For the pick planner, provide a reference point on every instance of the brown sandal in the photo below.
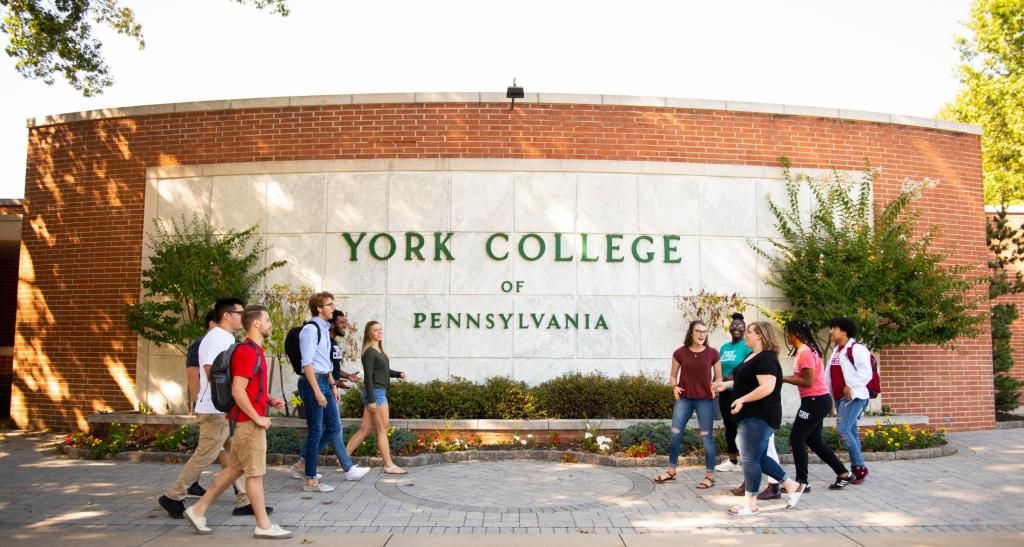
(659, 480)
(708, 482)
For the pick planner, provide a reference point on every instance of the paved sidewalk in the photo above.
(45, 499)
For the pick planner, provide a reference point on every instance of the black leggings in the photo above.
(725, 400)
(807, 433)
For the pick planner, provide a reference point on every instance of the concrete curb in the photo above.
(1015, 424)
(433, 458)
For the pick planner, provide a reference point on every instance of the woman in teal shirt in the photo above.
(732, 354)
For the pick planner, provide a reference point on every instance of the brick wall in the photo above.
(86, 183)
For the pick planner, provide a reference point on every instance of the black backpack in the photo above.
(220, 381)
(291, 345)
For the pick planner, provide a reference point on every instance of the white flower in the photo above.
(603, 440)
(523, 442)
(530, 436)
(588, 435)
(515, 437)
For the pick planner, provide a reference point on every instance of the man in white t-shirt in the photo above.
(214, 433)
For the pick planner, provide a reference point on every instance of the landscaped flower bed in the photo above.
(644, 441)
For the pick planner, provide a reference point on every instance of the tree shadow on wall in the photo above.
(81, 242)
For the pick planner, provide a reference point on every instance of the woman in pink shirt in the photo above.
(815, 404)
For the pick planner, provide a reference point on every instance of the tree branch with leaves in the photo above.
(54, 38)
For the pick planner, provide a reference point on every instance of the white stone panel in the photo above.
(606, 203)
(419, 202)
(421, 370)
(402, 338)
(609, 278)
(296, 204)
(472, 271)
(182, 198)
(669, 204)
(305, 256)
(621, 339)
(361, 309)
(165, 383)
(727, 207)
(545, 202)
(764, 290)
(662, 327)
(612, 368)
(482, 202)
(775, 190)
(366, 275)
(536, 371)
(543, 342)
(479, 370)
(357, 202)
(417, 276)
(657, 369)
(728, 265)
(238, 202)
(490, 339)
(545, 276)
(660, 279)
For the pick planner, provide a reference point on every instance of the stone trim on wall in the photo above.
(489, 97)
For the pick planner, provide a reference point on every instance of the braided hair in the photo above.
(799, 329)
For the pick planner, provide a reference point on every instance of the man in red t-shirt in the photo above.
(248, 454)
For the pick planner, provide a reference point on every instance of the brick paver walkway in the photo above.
(976, 490)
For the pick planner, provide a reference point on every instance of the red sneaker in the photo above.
(859, 474)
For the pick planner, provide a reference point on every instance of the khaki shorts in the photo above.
(249, 449)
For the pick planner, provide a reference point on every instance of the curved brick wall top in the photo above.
(85, 189)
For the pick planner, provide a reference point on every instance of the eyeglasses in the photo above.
(700, 332)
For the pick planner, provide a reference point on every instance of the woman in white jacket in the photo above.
(848, 375)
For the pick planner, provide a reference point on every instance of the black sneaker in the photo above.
(195, 491)
(247, 510)
(841, 482)
(174, 508)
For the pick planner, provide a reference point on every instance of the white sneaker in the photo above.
(355, 473)
(296, 474)
(318, 487)
(727, 465)
(199, 523)
(274, 532)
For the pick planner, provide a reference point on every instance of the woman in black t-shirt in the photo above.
(757, 385)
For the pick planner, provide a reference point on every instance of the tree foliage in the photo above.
(288, 308)
(191, 267)
(54, 38)
(1007, 246)
(992, 75)
(843, 262)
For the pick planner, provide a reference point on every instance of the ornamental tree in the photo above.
(192, 266)
(843, 262)
(1007, 246)
(55, 38)
(992, 75)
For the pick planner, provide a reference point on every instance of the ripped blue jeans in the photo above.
(684, 409)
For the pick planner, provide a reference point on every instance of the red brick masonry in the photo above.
(85, 188)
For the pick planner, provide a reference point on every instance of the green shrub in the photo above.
(182, 438)
(576, 396)
(284, 440)
(351, 404)
(640, 397)
(507, 399)
(655, 433)
(401, 442)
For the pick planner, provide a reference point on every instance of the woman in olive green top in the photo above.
(377, 376)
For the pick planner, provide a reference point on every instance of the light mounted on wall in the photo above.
(514, 92)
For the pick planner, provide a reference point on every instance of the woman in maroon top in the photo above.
(694, 367)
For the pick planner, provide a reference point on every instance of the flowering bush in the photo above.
(890, 437)
(640, 450)
(593, 441)
(185, 437)
(119, 438)
(554, 440)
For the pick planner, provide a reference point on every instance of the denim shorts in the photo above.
(379, 394)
